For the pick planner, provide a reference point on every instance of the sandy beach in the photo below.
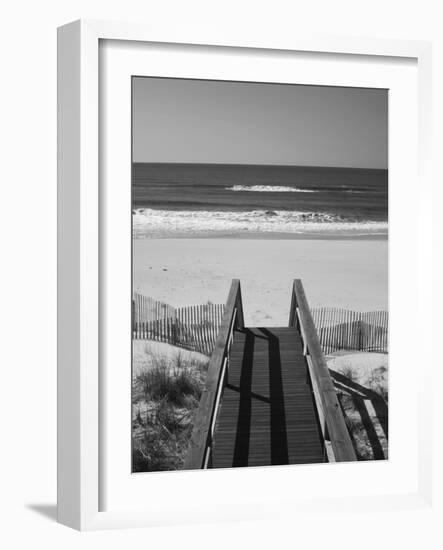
(350, 273)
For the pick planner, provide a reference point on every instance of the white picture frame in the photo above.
(80, 411)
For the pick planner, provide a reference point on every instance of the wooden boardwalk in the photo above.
(267, 414)
(268, 396)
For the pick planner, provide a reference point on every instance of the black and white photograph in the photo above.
(259, 274)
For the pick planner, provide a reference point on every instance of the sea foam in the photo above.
(269, 189)
(149, 222)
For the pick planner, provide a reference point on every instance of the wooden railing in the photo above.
(200, 446)
(338, 444)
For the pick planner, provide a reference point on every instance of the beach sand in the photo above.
(351, 273)
(146, 352)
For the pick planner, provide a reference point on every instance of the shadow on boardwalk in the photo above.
(366, 415)
(273, 397)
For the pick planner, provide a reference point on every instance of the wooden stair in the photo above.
(267, 413)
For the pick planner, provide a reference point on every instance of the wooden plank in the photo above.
(256, 436)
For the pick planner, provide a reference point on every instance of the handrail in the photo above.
(200, 445)
(330, 415)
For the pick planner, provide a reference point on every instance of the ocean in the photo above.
(225, 200)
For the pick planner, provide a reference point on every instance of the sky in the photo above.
(200, 121)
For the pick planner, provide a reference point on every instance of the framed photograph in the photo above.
(240, 233)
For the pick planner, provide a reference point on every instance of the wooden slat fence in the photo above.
(194, 328)
(351, 330)
(147, 309)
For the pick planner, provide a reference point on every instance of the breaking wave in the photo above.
(269, 189)
(149, 222)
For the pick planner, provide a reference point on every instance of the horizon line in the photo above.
(260, 164)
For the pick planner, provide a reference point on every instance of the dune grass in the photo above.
(167, 394)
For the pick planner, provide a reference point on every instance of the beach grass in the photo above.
(166, 393)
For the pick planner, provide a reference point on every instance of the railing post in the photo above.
(240, 322)
(292, 310)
